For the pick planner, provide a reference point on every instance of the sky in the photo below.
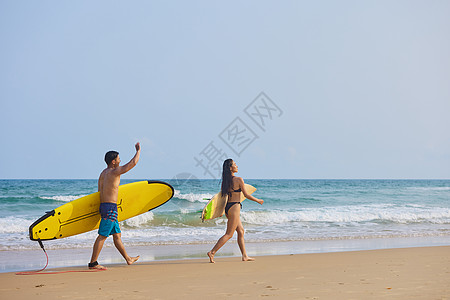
(288, 89)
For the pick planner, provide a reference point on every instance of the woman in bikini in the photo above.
(233, 187)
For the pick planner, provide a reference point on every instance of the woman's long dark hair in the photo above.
(227, 178)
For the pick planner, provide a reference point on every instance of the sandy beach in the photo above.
(405, 273)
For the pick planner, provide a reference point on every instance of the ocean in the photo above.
(294, 211)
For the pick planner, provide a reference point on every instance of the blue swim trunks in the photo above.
(108, 224)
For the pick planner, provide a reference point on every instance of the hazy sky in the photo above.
(351, 89)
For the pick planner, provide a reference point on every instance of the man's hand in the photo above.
(137, 146)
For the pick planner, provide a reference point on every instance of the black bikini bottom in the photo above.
(229, 205)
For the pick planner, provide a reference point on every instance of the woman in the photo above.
(233, 187)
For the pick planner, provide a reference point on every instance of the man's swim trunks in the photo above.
(108, 224)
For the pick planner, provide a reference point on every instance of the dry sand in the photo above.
(409, 273)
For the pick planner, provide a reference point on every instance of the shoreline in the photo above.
(26, 260)
(401, 273)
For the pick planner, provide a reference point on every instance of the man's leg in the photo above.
(98, 245)
(117, 237)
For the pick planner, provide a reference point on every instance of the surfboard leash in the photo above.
(40, 272)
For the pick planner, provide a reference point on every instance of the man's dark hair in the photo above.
(110, 156)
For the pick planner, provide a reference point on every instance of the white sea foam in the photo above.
(351, 214)
(186, 210)
(14, 225)
(166, 233)
(139, 220)
(150, 236)
(67, 198)
(192, 197)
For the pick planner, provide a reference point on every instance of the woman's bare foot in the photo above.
(246, 258)
(132, 260)
(211, 257)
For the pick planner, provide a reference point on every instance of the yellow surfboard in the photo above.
(216, 206)
(82, 215)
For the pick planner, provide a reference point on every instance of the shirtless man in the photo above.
(108, 186)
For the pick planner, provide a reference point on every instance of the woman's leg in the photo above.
(233, 221)
(241, 242)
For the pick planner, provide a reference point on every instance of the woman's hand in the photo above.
(260, 201)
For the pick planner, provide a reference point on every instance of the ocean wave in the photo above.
(351, 214)
(13, 224)
(433, 188)
(192, 197)
(140, 220)
(15, 197)
(341, 215)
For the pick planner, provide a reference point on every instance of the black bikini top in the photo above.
(237, 191)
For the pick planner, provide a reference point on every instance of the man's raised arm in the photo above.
(132, 163)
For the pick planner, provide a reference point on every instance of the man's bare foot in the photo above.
(132, 260)
(95, 266)
(98, 267)
(211, 257)
(246, 258)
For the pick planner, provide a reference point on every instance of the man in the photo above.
(108, 186)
